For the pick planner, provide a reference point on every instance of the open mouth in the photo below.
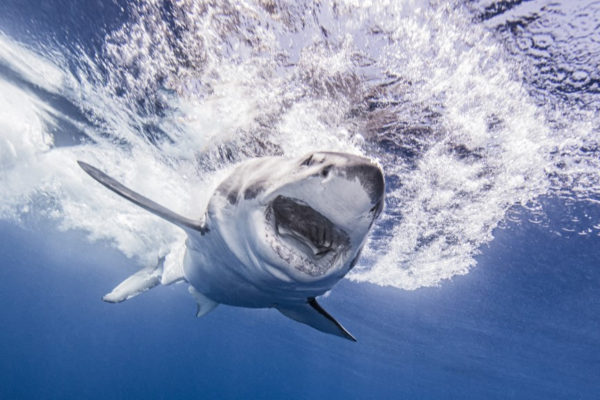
(318, 238)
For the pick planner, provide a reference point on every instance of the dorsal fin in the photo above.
(311, 313)
(144, 202)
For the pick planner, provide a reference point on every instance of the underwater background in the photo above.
(480, 280)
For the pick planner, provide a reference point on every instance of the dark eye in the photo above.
(325, 171)
(377, 208)
(308, 161)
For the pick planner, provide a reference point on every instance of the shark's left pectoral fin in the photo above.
(312, 314)
(186, 224)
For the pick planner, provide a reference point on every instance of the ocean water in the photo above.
(480, 280)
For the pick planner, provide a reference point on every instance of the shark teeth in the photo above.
(304, 238)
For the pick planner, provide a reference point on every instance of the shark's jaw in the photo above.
(303, 237)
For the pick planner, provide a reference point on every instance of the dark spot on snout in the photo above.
(232, 197)
(253, 190)
(370, 177)
(230, 194)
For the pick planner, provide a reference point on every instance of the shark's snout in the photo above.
(370, 177)
(369, 174)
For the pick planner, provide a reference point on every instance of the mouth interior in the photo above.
(297, 220)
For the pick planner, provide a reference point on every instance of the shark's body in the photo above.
(277, 233)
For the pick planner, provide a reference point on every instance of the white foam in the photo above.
(453, 126)
(30, 65)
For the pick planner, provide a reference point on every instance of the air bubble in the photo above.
(584, 25)
(543, 40)
(524, 43)
(580, 76)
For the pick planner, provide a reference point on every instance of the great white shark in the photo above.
(277, 233)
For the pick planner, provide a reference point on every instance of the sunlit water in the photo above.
(483, 114)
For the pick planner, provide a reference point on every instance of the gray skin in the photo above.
(277, 233)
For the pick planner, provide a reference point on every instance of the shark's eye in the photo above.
(308, 161)
(325, 171)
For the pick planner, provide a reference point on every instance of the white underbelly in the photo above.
(215, 271)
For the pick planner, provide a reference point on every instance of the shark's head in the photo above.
(308, 217)
(319, 216)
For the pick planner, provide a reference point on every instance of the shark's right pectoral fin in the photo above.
(312, 314)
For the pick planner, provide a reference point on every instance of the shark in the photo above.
(277, 233)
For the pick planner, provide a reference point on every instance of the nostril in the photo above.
(308, 161)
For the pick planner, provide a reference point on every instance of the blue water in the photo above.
(515, 315)
(524, 324)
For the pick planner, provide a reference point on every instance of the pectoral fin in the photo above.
(137, 283)
(312, 314)
(144, 202)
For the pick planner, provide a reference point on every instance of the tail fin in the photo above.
(147, 204)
